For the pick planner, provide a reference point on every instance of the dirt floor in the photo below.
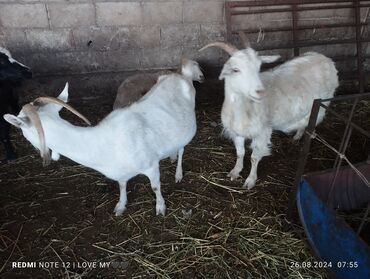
(60, 218)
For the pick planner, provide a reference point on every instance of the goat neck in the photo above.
(77, 143)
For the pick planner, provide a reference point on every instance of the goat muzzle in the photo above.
(261, 93)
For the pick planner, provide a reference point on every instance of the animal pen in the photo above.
(341, 188)
(57, 221)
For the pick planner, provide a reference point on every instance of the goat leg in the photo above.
(240, 151)
(155, 183)
(261, 148)
(121, 205)
(179, 176)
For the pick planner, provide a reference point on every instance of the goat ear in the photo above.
(15, 120)
(54, 108)
(269, 58)
(64, 95)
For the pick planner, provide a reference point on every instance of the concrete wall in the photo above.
(97, 35)
(74, 36)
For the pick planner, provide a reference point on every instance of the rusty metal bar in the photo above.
(346, 134)
(364, 219)
(337, 165)
(347, 97)
(334, 58)
(345, 120)
(298, 9)
(286, 29)
(228, 21)
(359, 47)
(301, 44)
(256, 3)
(347, 57)
(367, 212)
(302, 8)
(303, 158)
(294, 30)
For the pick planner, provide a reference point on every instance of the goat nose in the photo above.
(201, 78)
(261, 92)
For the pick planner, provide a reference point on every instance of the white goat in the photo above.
(136, 86)
(128, 142)
(279, 99)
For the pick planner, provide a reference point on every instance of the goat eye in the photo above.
(235, 70)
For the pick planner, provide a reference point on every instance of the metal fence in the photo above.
(293, 9)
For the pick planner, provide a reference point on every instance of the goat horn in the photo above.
(244, 39)
(230, 49)
(30, 111)
(47, 100)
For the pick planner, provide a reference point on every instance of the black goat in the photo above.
(11, 74)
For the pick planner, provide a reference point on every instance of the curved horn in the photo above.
(30, 111)
(230, 49)
(47, 100)
(244, 39)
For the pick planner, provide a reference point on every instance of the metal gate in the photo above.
(292, 23)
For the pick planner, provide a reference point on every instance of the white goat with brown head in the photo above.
(128, 142)
(279, 99)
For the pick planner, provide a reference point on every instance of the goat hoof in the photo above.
(178, 177)
(249, 183)
(118, 213)
(161, 210)
(298, 135)
(118, 210)
(233, 175)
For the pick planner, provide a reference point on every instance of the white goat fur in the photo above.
(129, 141)
(279, 99)
(136, 86)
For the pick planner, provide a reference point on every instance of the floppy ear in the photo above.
(15, 120)
(227, 70)
(269, 58)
